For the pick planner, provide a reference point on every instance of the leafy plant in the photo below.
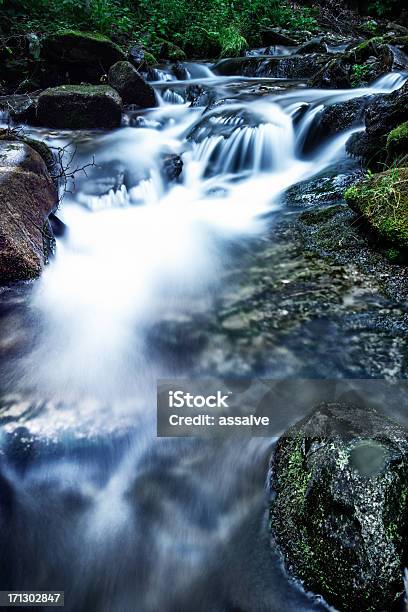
(360, 74)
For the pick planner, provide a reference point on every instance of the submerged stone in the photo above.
(339, 515)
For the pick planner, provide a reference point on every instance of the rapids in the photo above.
(93, 503)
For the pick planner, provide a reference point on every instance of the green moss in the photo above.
(92, 36)
(397, 140)
(382, 199)
(149, 59)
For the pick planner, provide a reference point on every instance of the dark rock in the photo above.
(169, 51)
(79, 107)
(275, 37)
(81, 56)
(132, 88)
(339, 515)
(316, 45)
(172, 166)
(290, 67)
(136, 55)
(180, 72)
(22, 108)
(27, 196)
(382, 115)
(360, 65)
(334, 119)
(59, 228)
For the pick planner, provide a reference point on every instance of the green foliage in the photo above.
(382, 8)
(360, 74)
(200, 27)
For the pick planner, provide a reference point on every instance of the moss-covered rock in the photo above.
(397, 141)
(339, 515)
(132, 88)
(83, 56)
(169, 51)
(79, 107)
(382, 200)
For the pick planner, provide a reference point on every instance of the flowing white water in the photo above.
(158, 524)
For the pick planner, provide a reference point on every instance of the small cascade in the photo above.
(172, 97)
(242, 148)
(112, 199)
(4, 118)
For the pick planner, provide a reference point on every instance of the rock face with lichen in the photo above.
(339, 514)
(79, 107)
(27, 196)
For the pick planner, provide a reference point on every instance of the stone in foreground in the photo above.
(339, 515)
(132, 88)
(27, 196)
(79, 107)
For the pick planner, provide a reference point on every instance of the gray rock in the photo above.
(133, 89)
(275, 37)
(27, 196)
(79, 107)
(315, 45)
(339, 515)
(290, 67)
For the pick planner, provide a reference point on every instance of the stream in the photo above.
(158, 278)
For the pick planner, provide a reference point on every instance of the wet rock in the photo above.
(316, 45)
(382, 115)
(339, 515)
(290, 67)
(136, 54)
(79, 107)
(22, 108)
(276, 37)
(132, 88)
(80, 56)
(361, 65)
(180, 72)
(58, 227)
(172, 166)
(27, 197)
(335, 119)
(382, 200)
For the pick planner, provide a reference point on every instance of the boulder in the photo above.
(382, 201)
(383, 114)
(273, 37)
(27, 196)
(169, 51)
(315, 45)
(339, 514)
(80, 56)
(79, 107)
(290, 67)
(132, 88)
(180, 71)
